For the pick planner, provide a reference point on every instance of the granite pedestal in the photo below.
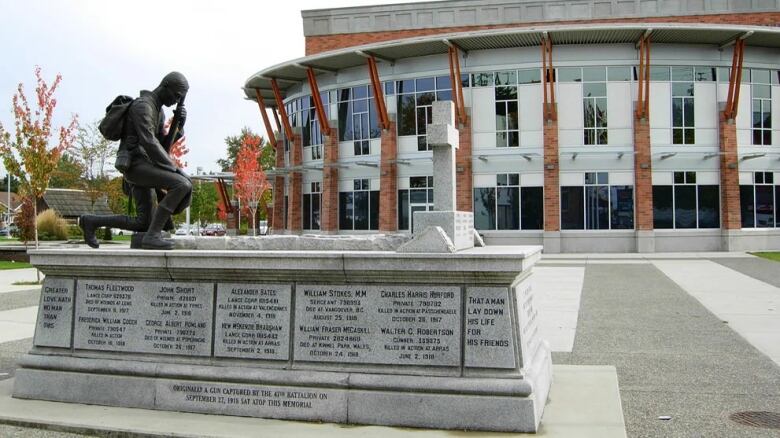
(367, 337)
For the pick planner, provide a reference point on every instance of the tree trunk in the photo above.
(35, 227)
(254, 228)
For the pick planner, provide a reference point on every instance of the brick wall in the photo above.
(388, 181)
(295, 192)
(552, 194)
(324, 43)
(643, 177)
(329, 218)
(730, 216)
(464, 185)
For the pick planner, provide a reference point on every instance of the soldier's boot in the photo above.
(153, 238)
(90, 223)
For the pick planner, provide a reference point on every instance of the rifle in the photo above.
(174, 129)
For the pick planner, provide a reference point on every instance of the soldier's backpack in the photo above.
(113, 123)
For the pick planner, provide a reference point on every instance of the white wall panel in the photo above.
(530, 107)
(705, 107)
(374, 146)
(776, 117)
(744, 117)
(535, 179)
(569, 98)
(374, 184)
(710, 178)
(621, 178)
(619, 105)
(707, 137)
(660, 105)
(485, 180)
(570, 137)
(621, 137)
(745, 178)
(660, 136)
(531, 138)
(572, 178)
(662, 178)
(484, 140)
(403, 182)
(484, 110)
(346, 149)
(407, 144)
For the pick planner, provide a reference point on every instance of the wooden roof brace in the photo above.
(317, 99)
(288, 132)
(264, 114)
(379, 96)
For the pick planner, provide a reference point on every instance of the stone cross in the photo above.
(444, 138)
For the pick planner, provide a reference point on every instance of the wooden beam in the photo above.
(461, 102)
(319, 108)
(735, 80)
(454, 93)
(288, 132)
(266, 122)
(643, 96)
(379, 95)
(548, 79)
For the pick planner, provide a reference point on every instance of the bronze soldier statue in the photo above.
(151, 168)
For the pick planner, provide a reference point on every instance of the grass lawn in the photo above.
(122, 238)
(768, 255)
(5, 264)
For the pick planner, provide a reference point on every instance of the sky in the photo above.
(106, 48)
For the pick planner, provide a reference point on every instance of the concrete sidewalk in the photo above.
(584, 402)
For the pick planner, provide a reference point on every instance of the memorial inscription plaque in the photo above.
(254, 321)
(55, 313)
(399, 325)
(144, 317)
(529, 327)
(489, 342)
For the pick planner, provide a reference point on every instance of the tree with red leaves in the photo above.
(250, 181)
(28, 155)
(178, 149)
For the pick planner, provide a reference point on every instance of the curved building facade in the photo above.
(590, 126)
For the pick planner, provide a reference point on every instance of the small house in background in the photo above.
(70, 203)
(7, 215)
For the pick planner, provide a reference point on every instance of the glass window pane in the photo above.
(532, 76)
(485, 208)
(603, 177)
(619, 73)
(679, 177)
(690, 177)
(705, 73)
(677, 112)
(406, 115)
(513, 179)
(511, 116)
(688, 113)
(315, 211)
(767, 137)
(759, 76)
(683, 89)
(508, 208)
(500, 116)
(682, 73)
(659, 73)
(601, 136)
(685, 206)
(591, 178)
(345, 210)
(501, 179)
(594, 74)
(532, 208)
(598, 89)
(506, 78)
(761, 91)
(403, 209)
(765, 206)
(373, 210)
(501, 139)
(777, 203)
(597, 207)
(590, 136)
(444, 95)
(360, 92)
(747, 206)
(426, 98)
(422, 120)
(621, 203)
(663, 214)
(723, 74)
(418, 181)
(389, 88)
(570, 74)
(572, 208)
(361, 210)
(306, 213)
(690, 136)
(443, 83)
(601, 112)
(405, 86)
(513, 139)
(418, 196)
(424, 84)
(709, 207)
(506, 93)
(482, 79)
(589, 113)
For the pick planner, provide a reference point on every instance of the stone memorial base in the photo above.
(366, 337)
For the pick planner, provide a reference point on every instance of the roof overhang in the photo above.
(293, 72)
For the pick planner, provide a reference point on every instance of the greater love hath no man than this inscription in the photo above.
(406, 325)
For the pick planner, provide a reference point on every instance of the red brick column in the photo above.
(552, 193)
(277, 213)
(388, 181)
(643, 175)
(295, 193)
(730, 214)
(464, 184)
(330, 184)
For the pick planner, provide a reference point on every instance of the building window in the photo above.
(686, 204)
(683, 128)
(594, 100)
(316, 152)
(301, 114)
(358, 120)
(415, 98)
(359, 208)
(762, 107)
(507, 126)
(418, 197)
(759, 201)
(311, 207)
(597, 205)
(507, 206)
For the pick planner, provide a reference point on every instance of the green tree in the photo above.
(93, 153)
(234, 142)
(68, 174)
(14, 184)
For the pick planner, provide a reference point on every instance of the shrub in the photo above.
(51, 226)
(24, 221)
(107, 233)
(74, 232)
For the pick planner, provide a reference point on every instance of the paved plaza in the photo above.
(692, 338)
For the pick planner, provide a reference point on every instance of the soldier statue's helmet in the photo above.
(175, 81)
